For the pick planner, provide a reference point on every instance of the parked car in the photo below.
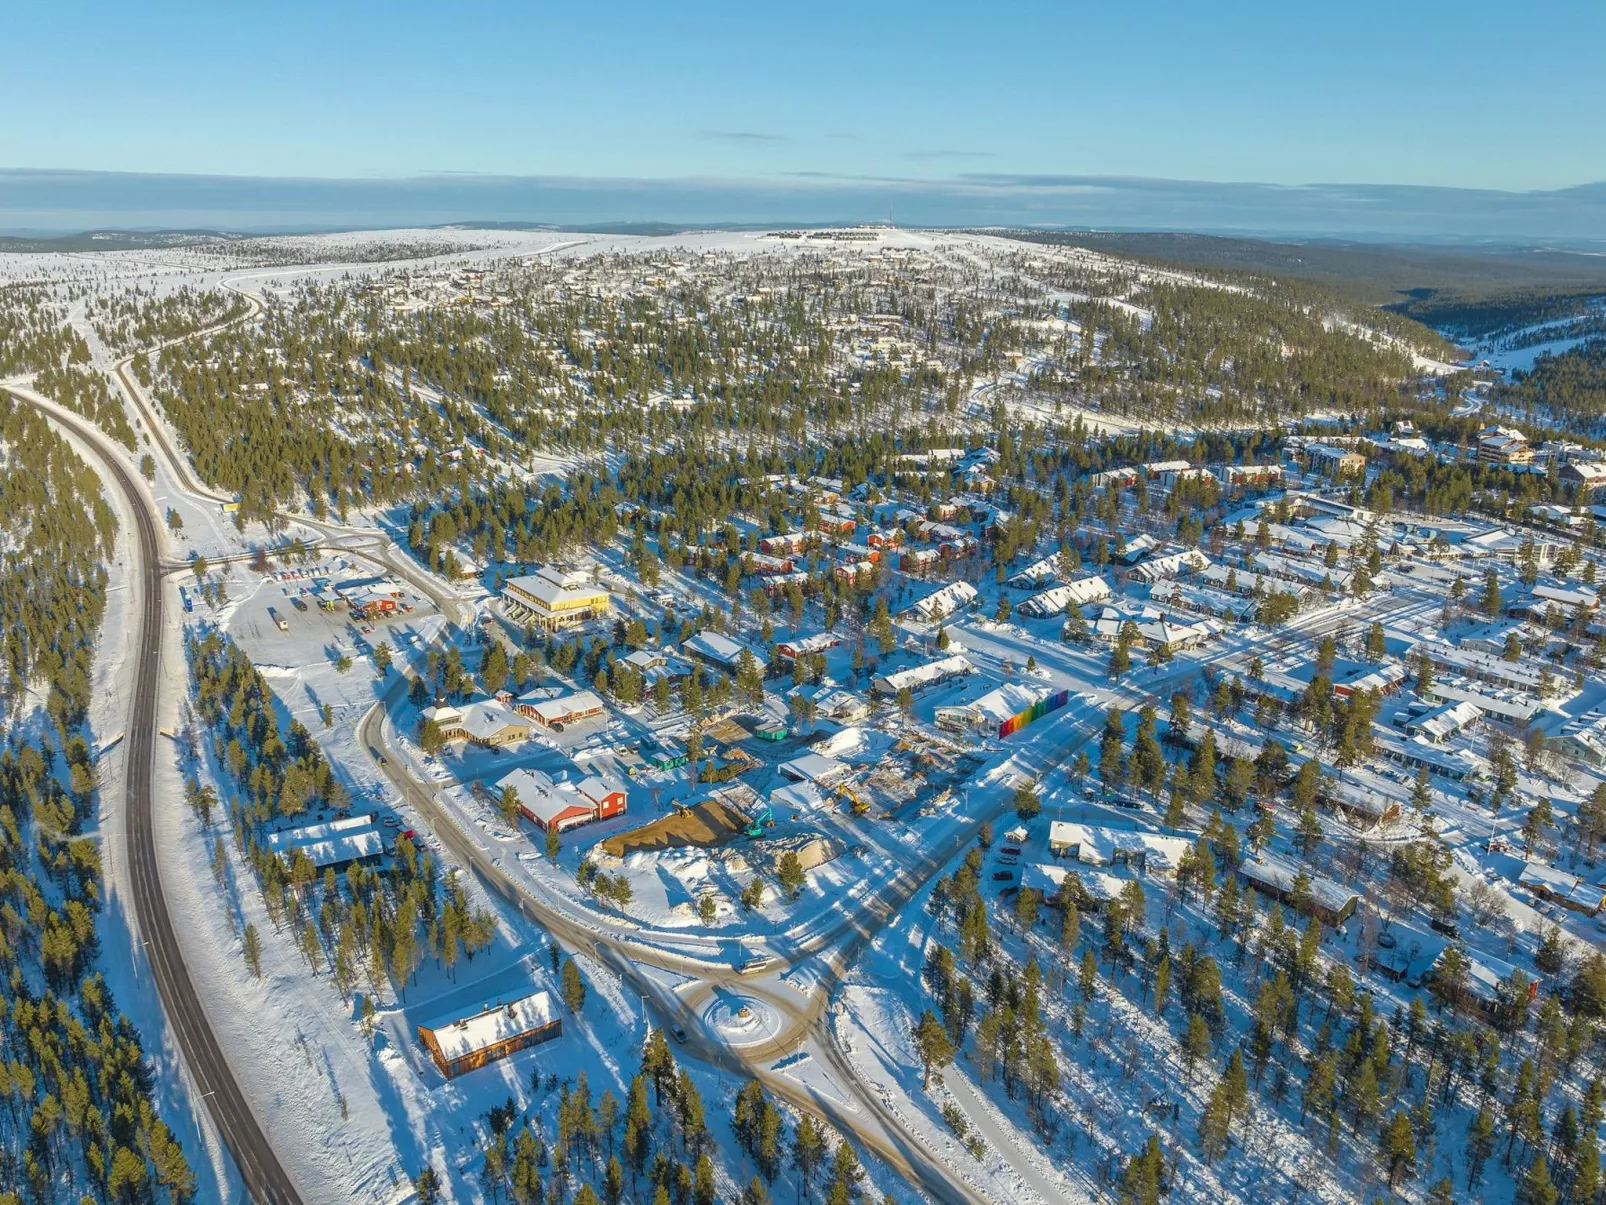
(1001, 876)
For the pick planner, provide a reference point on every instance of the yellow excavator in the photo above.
(860, 807)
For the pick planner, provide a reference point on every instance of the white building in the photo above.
(944, 602)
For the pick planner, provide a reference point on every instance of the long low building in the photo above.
(1275, 876)
(1079, 593)
(335, 844)
(718, 650)
(464, 1044)
(919, 676)
(566, 709)
(1096, 845)
(1568, 890)
(1156, 568)
(559, 806)
(485, 722)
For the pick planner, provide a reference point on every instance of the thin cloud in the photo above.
(745, 136)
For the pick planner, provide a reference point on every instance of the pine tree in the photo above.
(1396, 1149)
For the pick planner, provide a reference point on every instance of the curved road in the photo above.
(866, 1116)
(264, 1177)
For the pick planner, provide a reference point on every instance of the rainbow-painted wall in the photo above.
(1035, 712)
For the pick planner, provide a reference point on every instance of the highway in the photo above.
(264, 1177)
(805, 1023)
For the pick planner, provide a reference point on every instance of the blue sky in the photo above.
(1474, 94)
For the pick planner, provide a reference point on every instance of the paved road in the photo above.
(866, 1116)
(264, 1177)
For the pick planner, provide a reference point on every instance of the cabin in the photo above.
(463, 1044)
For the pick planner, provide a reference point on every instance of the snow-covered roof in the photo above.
(554, 588)
(540, 797)
(468, 1035)
(1036, 573)
(332, 844)
(920, 675)
(802, 796)
(1052, 601)
(716, 647)
(943, 602)
(1271, 870)
(556, 711)
(484, 720)
(1009, 699)
(1101, 846)
(815, 768)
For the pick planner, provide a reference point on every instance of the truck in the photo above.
(279, 621)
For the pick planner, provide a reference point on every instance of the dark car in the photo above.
(1447, 927)
(1000, 876)
(678, 1032)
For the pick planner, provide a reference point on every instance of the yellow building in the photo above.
(554, 598)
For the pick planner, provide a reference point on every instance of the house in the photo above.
(943, 602)
(1034, 575)
(1250, 476)
(653, 664)
(917, 677)
(554, 598)
(1178, 637)
(1385, 678)
(1441, 723)
(1099, 846)
(1486, 981)
(1189, 560)
(493, 725)
(463, 1044)
(1161, 470)
(788, 545)
(1583, 738)
(1276, 876)
(559, 806)
(806, 646)
(1053, 601)
(1568, 890)
(843, 706)
(768, 566)
(568, 709)
(717, 650)
(1135, 550)
(1092, 888)
(447, 718)
(335, 844)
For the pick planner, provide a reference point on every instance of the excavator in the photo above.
(860, 807)
(764, 819)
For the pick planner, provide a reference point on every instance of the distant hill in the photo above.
(1468, 289)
